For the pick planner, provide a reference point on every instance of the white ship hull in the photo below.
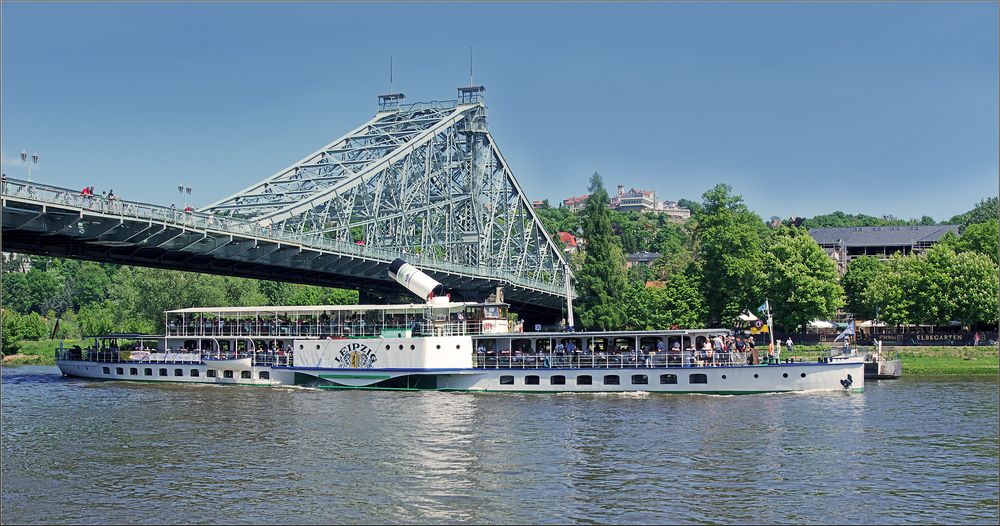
(841, 375)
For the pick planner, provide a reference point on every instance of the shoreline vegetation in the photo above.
(917, 361)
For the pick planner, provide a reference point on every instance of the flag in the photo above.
(848, 331)
(764, 308)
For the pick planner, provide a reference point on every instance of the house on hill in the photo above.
(845, 244)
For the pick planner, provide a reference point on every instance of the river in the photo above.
(904, 451)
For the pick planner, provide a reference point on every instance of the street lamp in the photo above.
(24, 159)
(182, 189)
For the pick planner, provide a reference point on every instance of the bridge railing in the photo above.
(53, 195)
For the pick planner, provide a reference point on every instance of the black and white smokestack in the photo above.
(415, 280)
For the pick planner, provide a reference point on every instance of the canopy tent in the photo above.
(820, 324)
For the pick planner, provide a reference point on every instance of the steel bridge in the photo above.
(425, 182)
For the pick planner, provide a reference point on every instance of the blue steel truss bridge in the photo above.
(425, 182)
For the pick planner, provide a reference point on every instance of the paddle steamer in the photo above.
(435, 345)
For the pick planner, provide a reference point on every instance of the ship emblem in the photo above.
(357, 356)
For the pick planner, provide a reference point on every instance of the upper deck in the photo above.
(339, 321)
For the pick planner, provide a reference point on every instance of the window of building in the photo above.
(227, 374)
(163, 372)
(245, 374)
(584, 379)
(558, 380)
(133, 371)
(211, 373)
(668, 378)
(531, 380)
(698, 378)
(612, 379)
(195, 372)
(147, 371)
(507, 380)
(264, 375)
(640, 379)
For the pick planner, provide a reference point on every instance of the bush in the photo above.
(12, 330)
(34, 327)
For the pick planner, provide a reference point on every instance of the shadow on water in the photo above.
(903, 451)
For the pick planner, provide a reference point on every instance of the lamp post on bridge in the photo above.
(182, 188)
(24, 159)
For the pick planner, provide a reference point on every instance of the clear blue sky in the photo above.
(802, 108)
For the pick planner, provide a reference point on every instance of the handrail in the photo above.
(226, 225)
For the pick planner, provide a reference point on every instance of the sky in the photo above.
(803, 108)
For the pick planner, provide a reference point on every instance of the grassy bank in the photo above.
(917, 361)
(926, 361)
(41, 352)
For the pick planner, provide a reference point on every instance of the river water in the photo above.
(81, 451)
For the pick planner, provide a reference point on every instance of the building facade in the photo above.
(845, 244)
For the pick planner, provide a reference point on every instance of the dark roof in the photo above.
(880, 235)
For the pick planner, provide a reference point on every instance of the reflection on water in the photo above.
(84, 451)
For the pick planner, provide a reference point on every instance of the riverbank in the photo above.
(926, 361)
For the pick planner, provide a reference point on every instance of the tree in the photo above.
(975, 289)
(601, 281)
(915, 289)
(11, 331)
(33, 291)
(730, 255)
(678, 304)
(97, 318)
(983, 238)
(597, 184)
(90, 284)
(986, 210)
(801, 280)
(861, 271)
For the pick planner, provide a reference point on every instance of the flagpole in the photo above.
(770, 324)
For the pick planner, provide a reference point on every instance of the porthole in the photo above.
(803, 375)
(300, 346)
(387, 347)
(784, 375)
(438, 347)
(401, 347)
(756, 376)
(413, 347)
(317, 346)
(723, 377)
(458, 346)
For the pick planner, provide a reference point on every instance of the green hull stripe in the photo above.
(357, 376)
(521, 391)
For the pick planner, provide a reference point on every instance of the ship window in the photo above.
(163, 372)
(106, 370)
(531, 380)
(584, 379)
(195, 372)
(640, 379)
(211, 373)
(803, 375)
(300, 347)
(119, 370)
(413, 347)
(612, 379)
(264, 375)
(178, 372)
(438, 346)
(723, 377)
(227, 374)
(756, 375)
(668, 378)
(401, 347)
(784, 375)
(133, 371)
(558, 380)
(245, 374)
(147, 371)
(507, 380)
(698, 378)
(387, 347)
